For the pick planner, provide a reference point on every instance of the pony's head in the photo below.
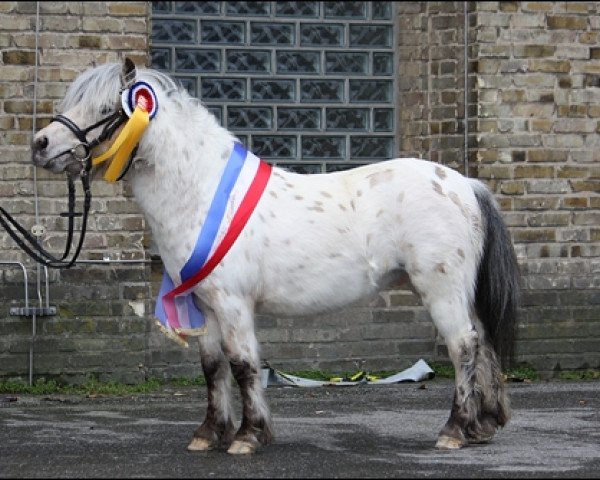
(99, 111)
(94, 96)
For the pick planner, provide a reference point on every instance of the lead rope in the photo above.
(29, 243)
(83, 152)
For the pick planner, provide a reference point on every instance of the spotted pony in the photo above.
(313, 244)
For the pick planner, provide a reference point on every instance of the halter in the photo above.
(82, 152)
(138, 106)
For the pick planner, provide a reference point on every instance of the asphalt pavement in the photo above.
(363, 431)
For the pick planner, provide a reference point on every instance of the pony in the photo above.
(313, 243)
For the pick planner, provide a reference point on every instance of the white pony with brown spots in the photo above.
(314, 243)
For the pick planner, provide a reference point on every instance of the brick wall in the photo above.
(538, 121)
(102, 326)
(431, 83)
(533, 84)
(533, 136)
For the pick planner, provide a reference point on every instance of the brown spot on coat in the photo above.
(437, 187)
(456, 200)
(326, 194)
(461, 253)
(316, 208)
(342, 207)
(379, 177)
(454, 197)
(440, 172)
(298, 197)
(440, 267)
(273, 194)
(289, 185)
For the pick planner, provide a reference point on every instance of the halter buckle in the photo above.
(81, 151)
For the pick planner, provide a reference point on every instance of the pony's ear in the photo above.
(128, 73)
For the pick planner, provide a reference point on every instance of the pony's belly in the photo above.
(314, 295)
(303, 305)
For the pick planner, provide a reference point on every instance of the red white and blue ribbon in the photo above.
(239, 190)
(139, 93)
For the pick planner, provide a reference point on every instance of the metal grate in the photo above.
(308, 85)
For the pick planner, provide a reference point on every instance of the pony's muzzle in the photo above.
(45, 156)
(39, 149)
(40, 143)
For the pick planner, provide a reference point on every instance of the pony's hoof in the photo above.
(242, 447)
(449, 443)
(200, 445)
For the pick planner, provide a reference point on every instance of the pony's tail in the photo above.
(498, 279)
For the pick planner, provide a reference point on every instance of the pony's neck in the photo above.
(184, 161)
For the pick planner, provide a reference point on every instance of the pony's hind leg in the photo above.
(475, 308)
(480, 404)
(218, 427)
(241, 347)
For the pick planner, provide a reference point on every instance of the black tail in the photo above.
(498, 280)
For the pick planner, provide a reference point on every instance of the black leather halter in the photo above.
(81, 152)
(111, 123)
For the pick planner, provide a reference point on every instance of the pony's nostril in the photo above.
(41, 143)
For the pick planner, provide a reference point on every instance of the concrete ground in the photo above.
(368, 431)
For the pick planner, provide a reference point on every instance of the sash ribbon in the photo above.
(245, 177)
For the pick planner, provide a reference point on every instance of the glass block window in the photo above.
(306, 85)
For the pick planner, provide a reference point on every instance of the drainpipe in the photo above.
(466, 89)
(38, 275)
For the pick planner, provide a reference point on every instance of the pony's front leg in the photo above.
(241, 347)
(218, 427)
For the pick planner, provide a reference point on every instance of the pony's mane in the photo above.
(99, 87)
